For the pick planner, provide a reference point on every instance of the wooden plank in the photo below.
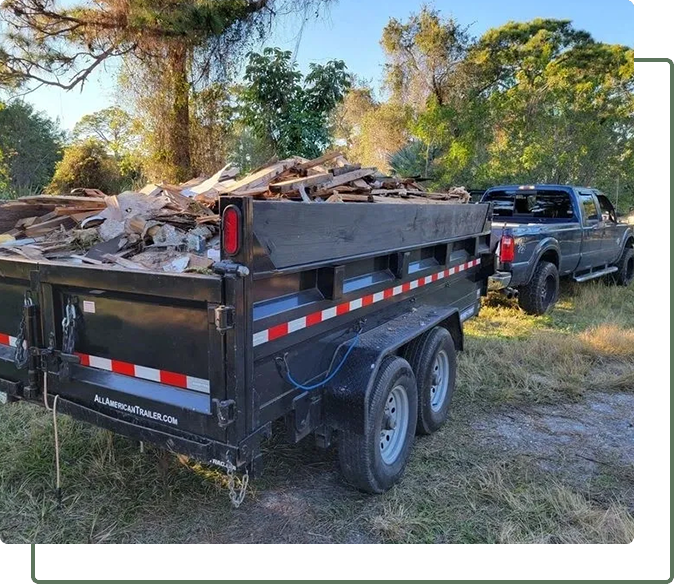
(259, 191)
(345, 169)
(120, 261)
(47, 226)
(346, 178)
(208, 219)
(95, 193)
(86, 260)
(320, 160)
(60, 211)
(389, 191)
(361, 184)
(64, 199)
(353, 198)
(260, 178)
(294, 184)
(10, 213)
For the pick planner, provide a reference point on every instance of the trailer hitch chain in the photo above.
(236, 497)
(21, 353)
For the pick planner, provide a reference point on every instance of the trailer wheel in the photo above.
(432, 357)
(625, 265)
(375, 461)
(540, 295)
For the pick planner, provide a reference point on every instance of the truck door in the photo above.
(593, 231)
(612, 232)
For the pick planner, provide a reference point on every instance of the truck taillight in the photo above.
(231, 230)
(507, 251)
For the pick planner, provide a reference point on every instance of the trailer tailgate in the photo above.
(146, 343)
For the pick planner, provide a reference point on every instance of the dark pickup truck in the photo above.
(342, 321)
(542, 232)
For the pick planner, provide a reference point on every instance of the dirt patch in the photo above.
(576, 440)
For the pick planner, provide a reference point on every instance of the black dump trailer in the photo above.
(343, 320)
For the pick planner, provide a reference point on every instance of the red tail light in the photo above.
(231, 230)
(507, 252)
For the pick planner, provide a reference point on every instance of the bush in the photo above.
(86, 164)
(30, 147)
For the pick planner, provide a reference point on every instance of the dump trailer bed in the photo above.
(309, 307)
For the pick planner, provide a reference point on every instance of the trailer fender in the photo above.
(347, 395)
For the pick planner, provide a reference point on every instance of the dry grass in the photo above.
(545, 513)
(457, 488)
(558, 356)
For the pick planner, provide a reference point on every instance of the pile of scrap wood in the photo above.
(159, 229)
(328, 178)
(174, 228)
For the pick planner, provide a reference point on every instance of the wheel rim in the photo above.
(395, 421)
(439, 381)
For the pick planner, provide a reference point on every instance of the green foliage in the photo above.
(30, 146)
(416, 159)
(536, 101)
(119, 133)
(175, 47)
(371, 132)
(424, 56)
(287, 111)
(86, 164)
(113, 127)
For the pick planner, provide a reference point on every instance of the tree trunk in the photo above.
(179, 130)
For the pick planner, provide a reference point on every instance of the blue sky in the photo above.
(350, 30)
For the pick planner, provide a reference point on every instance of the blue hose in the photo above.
(332, 375)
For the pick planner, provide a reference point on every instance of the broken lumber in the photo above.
(64, 200)
(345, 178)
(293, 184)
(317, 161)
(261, 177)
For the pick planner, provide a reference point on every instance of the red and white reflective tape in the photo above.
(7, 340)
(285, 328)
(131, 370)
(158, 375)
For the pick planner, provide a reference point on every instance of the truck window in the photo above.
(607, 210)
(530, 205)
(589, 208)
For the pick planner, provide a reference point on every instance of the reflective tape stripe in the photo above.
(131, 370)
(284, 329)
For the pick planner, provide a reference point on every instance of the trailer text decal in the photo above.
(135, 410)
(285, 328)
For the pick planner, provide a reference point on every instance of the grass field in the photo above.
(539, 449)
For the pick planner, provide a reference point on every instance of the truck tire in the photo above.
(541, 293)
(374, 462)
(432, 357)
(625, 265)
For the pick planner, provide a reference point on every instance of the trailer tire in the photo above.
(375, 461)
(432, 357)
(541, 293)
(625, 265)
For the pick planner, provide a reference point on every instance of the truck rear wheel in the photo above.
(432, 357)
(625, 265)
(375, 461)
(541, 293)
